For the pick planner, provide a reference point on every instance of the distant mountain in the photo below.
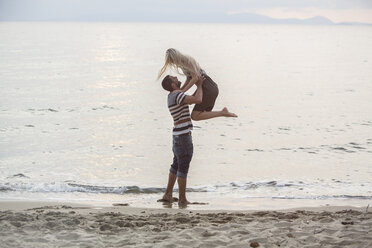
(354, 23)
(261, 19)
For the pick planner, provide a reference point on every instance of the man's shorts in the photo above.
(210, 93)
(182, 150)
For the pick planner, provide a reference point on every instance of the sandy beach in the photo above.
(46, 224)
(84, 120)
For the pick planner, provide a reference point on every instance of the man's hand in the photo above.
(200, 81)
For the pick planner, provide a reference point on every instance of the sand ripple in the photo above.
(64, 226)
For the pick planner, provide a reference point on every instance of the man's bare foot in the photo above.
(168, 198)
(183, 203)
(226, 113)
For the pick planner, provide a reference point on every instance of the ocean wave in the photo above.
(74, 187)
(351, 147)
(86, 188)
(262, 189)
(324, 197)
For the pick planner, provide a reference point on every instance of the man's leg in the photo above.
(168, 196)
(184, 151)
(204, 115)
(182, 202)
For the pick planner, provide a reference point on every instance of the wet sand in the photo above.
(38, 224)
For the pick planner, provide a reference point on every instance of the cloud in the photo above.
(181, 10)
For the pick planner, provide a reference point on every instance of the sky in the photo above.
(337, 11)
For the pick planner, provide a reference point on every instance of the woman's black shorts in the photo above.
(210, 93)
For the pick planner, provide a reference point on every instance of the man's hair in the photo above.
(167, 83)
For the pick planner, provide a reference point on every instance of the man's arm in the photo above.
(198, 95)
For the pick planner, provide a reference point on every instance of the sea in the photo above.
(84, 119)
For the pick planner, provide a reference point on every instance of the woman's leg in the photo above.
(204, 111)
(205, 115)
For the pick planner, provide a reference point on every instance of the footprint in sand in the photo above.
(120, 204)
(198, 203)
(206, 233)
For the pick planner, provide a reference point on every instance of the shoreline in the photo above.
(22, 205)
(203, 201)
(42, 224)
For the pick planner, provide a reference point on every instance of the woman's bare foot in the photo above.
(226, 113)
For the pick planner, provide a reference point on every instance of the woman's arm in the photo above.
(198, 95)
(188, 78)
(190, 81)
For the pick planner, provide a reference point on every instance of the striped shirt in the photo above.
(180, 113)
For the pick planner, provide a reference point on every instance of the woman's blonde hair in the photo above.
(176, 60)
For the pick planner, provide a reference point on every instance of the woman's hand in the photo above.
(189, 83)
(200, 81)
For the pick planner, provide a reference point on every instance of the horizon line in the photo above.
(202, 22)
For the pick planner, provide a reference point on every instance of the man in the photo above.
(178, 104)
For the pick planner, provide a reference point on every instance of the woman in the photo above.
(189, 67)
